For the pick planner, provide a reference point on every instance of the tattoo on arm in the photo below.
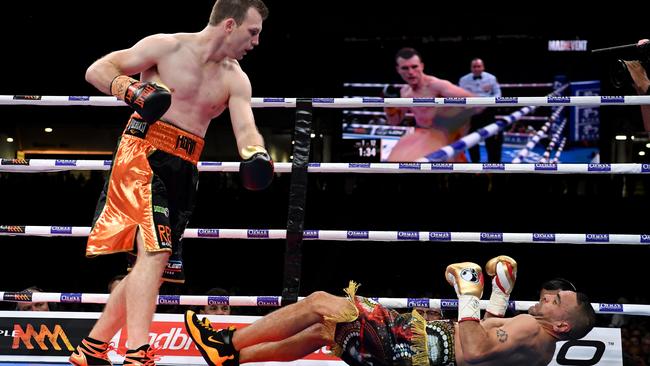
(502, 336)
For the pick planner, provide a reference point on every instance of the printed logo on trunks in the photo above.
(358, 234)
(174, 267)
(165, 236)
(268, 301)
(185, 143)
(645, 168)
(614, 308)
(218, 300)
(162, 210)
(597, 238)
(71, 297)
(491, 236)
(645, 238)
(137, 127)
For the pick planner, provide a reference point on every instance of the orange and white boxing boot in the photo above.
(91, 352)
(145, 355)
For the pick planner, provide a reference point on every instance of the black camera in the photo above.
(618, 72)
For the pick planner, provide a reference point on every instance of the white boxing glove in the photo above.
(503, 271)
(467, 279)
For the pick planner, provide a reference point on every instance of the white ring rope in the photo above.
(276, 301)
(361, 235)
(525, 118)
(383, 114)
(472, 139)
(543, 131)
(105, 101)
(504, 85)
(358, 235)
(556, 158)
(52, 165)
(554, 142)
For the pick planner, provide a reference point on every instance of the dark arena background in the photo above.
(310, 49)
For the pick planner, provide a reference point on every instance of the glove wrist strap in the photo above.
(498, 302)
(251, 150)
(468, 308)
(120, 85)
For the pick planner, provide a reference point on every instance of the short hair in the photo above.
(406, 53)
(236, 9)
(30, 291)
(559, 284)
(583, 317)
(217, 291)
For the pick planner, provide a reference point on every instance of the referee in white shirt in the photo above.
(483, 84)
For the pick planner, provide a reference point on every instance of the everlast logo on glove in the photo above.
(139, 100)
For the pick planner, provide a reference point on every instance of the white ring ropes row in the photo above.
(54, 165)
(105, 101)
(276, 301)
(361, 235)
